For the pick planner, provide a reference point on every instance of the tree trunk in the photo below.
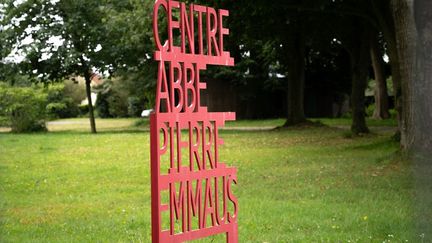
(396, 79)
(90, 104)
(296, 78)
(295, 95)
(421, 93)
(360, 61)
(384, 15)
(422, 87)
(405, 41)
(381, 97)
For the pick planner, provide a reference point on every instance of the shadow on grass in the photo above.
(302, 125)
(376, 145)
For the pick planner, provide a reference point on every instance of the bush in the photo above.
(134, 107)
(23, 107)
(75, 90)
(55, 93)
(112, 100)
(393, 113)
(118, 106)
(59, 104)
(102, 105)
(56, 110)
(64, 109)
(370, 110)
(4, 121)
(150, 98)
(83, 109)
(347, 115)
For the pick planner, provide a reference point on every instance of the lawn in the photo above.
(142, 124)
(295, 185)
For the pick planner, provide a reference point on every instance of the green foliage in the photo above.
(140, 84)
(113, 36)
(83, 110)
(393, 113)
(129, 24)
(102, 105)
(55, 108)
(74, 90)
(24, 107)
(370, 89)
(115, 99)
(4, 121)
(347, 115)
(59, 104)
(64, 109)
(134, 107)
(83, 41)
(370, 110)
(112, 101)
(11, 74)
(55, 92)
(76, 37)
(118, 103)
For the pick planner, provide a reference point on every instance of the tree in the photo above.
(129, 24)
(412, 35)
(405, 40)
(360, 60)
(60, 39)
(381, 97)
(422, 87)
(284, 37)
(382, 14)
(420, 103)
(413, 31)
(294, 50)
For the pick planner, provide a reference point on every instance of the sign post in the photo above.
(191, 189)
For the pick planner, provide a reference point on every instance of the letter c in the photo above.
(164, 4)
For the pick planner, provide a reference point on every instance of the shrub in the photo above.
(64, 109)
(4, 121)
(134, 107)
(23, 107)
(102, 105)
(83, 109)
(393, 113)
(59, 104)
(150, 98)
(370, 110)
(118, 106)
(55, 109)
(347, 114)
(75, 90)
(55, 93)
(112, 100)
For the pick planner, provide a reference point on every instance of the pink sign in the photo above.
(192, 194)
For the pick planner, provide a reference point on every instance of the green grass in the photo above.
(103, 125)
(326, 121)
(295, 185)
(142, 124)
(347, 122)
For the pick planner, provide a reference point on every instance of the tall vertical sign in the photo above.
(192, 189)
